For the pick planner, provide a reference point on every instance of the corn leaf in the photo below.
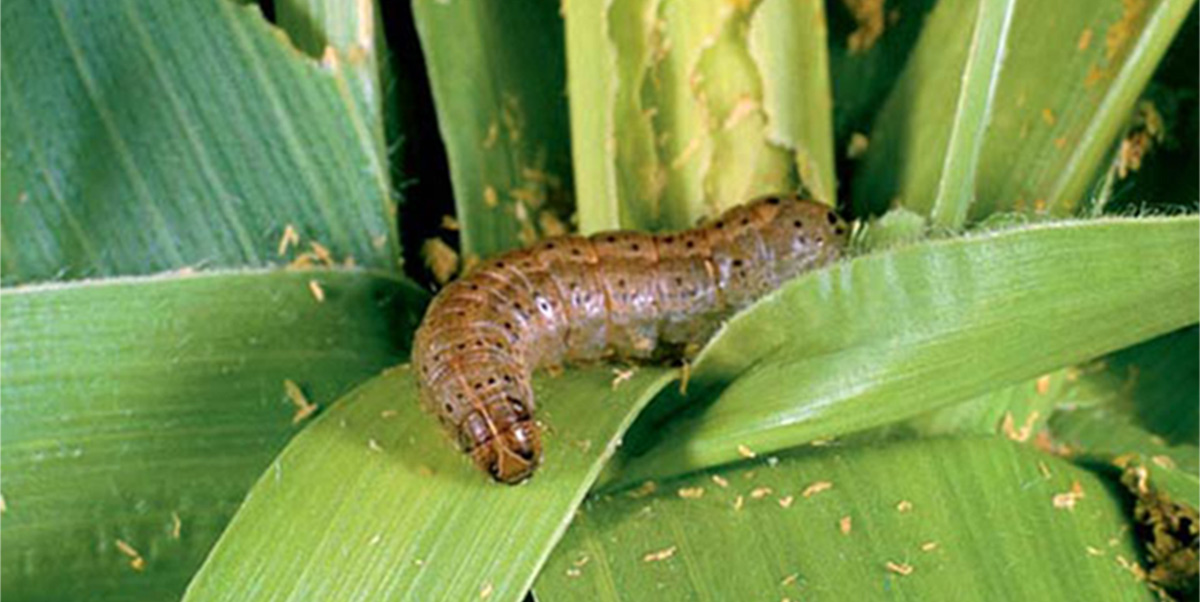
(1162, 479)
(1104, 435)
(150, 136)
(1019, 412)
(373, 502)
(972, 113)
(137, 412)
(681, 109)
(901, 332)
(971, 519)
(349, 33)
(1065, 92)
(1139, 405)
(1151, 387)
(1157, 383)
(498, 75)
(1163, 129)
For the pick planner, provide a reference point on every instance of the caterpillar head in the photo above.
(511, 456)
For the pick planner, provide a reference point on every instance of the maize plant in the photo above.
(222, 222)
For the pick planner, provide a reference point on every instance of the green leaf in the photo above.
(373, 502)
(1073, 111)
(681, 109)
(1103, 409)
(498, 75)
(145, 137)
(1065, 92)
(316, 24)
(951, 73)
(351, 34)
(1100, 434)
(1153, 385)
(895, 228)
(1159, 382)
(972, 114)
(901, 332)
(1125, 397)
(1017, 412)
(952, 118)
(1111, 390)
(975, 517)
(1124, 404)
(1096, 424)
(1167, 176)
(1162, 479)
(130, 403)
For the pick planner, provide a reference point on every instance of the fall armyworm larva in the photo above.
(627, 295)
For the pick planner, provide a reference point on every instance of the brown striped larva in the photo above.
(628, 295)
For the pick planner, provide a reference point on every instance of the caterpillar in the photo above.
(571, 299)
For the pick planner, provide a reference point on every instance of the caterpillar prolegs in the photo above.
(627, 295)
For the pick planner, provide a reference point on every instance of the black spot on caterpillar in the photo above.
(629, 295)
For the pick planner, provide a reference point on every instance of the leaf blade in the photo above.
(679, 112)
(956, 186)
(134, 405)
(1026, 299)
(449, 531)
(497, 75)
(858, 523)
(210, 149)
(1066, 90)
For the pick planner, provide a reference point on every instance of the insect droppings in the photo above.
(304, 408)
(318, 293)
(816, 488)
(659, 555)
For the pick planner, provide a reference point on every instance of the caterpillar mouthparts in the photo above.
(570, 299)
